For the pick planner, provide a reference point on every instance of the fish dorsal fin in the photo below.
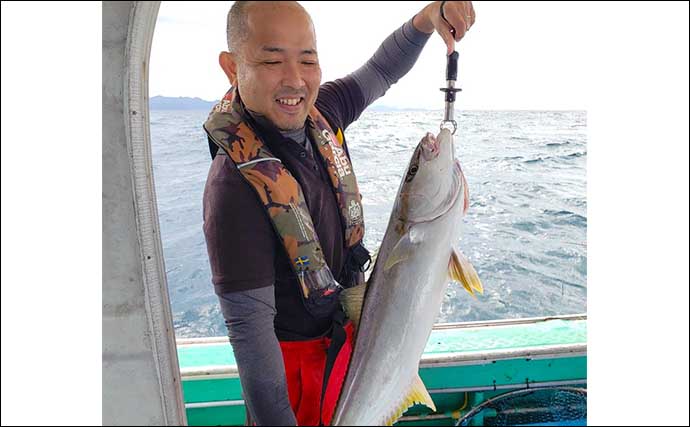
(461, 270)
(401, 251)
(417, 394)
(352, 300)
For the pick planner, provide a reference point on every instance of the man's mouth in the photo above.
(289, 101)
(290, 104)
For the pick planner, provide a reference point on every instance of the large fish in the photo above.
(403, 295)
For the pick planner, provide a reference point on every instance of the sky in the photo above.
(517, 56)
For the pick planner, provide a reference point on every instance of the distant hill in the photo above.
(386, 108)
(179, 103)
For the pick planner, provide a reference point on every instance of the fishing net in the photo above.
(558, 406)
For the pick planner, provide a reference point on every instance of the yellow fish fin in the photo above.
(462, 271)
(416, 395)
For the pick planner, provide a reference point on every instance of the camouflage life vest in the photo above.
(282, 197)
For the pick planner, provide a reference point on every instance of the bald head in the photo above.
(238, 27)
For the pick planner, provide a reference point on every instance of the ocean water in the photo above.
(525, 231)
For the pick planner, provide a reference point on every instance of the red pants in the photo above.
(305, 362)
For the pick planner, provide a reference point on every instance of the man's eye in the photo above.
(309, 62)
(271, 62)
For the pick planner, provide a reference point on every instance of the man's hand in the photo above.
(459, 16)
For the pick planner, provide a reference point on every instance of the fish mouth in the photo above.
(430, 147)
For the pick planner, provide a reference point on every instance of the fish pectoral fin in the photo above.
(416, 395)
(352, 300)
(462, 271)
(400, 252)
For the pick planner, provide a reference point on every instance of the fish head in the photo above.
(433, 181)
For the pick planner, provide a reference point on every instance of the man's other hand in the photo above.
(459, 17)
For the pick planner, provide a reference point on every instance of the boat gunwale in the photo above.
(186, 342)
(428, 361)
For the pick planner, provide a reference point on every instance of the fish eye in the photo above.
(411, 173)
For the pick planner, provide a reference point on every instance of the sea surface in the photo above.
(525, 231)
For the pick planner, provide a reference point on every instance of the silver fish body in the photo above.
(405, 290)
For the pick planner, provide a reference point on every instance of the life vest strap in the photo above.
(338, 338)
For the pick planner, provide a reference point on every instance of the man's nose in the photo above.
(292, 75)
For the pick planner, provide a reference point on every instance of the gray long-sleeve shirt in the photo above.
(250, 313)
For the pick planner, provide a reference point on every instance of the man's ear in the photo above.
(229, 66)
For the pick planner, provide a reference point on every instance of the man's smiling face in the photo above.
(276, 68)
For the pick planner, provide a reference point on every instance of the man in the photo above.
(282, 211)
